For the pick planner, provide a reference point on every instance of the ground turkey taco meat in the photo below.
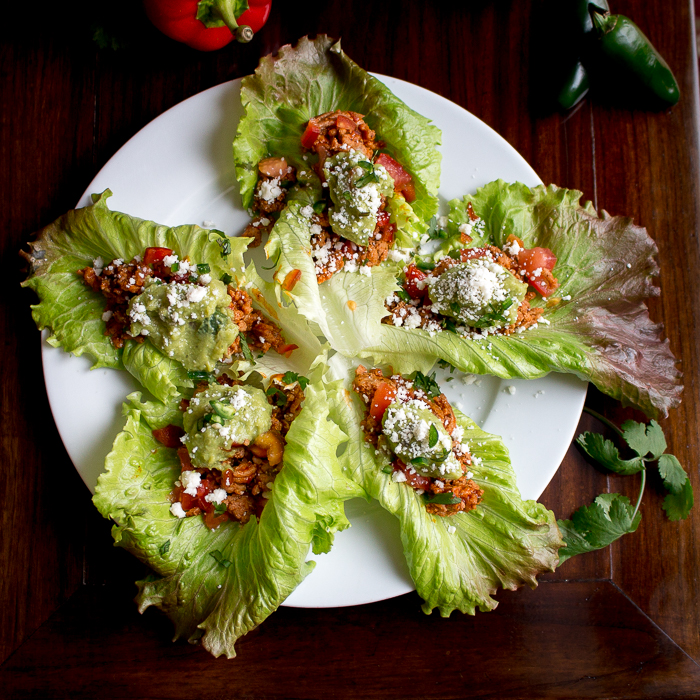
(412, 422)
(232, 447)
(350, 227)
(475, 291)
(181, 309)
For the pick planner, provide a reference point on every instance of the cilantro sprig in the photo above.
(426, 384)
(611, 515)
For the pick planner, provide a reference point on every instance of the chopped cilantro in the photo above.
(277, 396)
(291, 377)
(319, 206)
(245, 349)
(226, 278)
(426, 384)
(220, 508)
(433, 436)
(434, 231)
(366, 179)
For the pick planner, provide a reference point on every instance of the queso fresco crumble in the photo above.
(477, 291)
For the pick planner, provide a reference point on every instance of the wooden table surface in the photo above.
(623, 622)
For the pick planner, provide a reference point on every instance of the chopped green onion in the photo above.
(226, 278)
(201, 376)
(275, 263)
(403, 295)
(425, 265)
(175, 267)
(203, 268)
(445, 499)
(387, 470)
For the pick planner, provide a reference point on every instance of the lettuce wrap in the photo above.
(73, 312)
(595, 326)
(216, 585)
(315, 77)
(456, 562)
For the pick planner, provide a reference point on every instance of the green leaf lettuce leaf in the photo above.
(315, 77)
(599, 330)
(216, 585)
(504, 543)
(73, 312)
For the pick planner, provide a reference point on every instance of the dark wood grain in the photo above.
(623, 622)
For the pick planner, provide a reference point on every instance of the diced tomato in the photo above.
(382, 399)
(383, 219)
(403, 182)
(152, 255)
(471, 253)
(343, 122)
(415, 275)
(471, 212)
(188, 501)
(287, 349)
(212, 520)
(184, 457)
(311, 133)
(413, 478)
(169, 435)
(533, 259)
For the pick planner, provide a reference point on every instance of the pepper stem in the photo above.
(216, 13)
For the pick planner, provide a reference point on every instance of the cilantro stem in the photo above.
(613, 427)
(604, 420)
(641, 493)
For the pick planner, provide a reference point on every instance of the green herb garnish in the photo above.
(403, 294)
(278, 397)
(433, 436)
(245, 349)
(291, 377)
(424, 264)
(611, 515)
(226, 278)
(211, 325)
(434, 231)
(220, 508)
(203, 268)
(426, 384)
(175, 267)
(319, 207)
(388, 470)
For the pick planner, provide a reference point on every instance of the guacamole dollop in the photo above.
(356, 187)
(480, 293)
(191, 323)
(222, 416)
(417, 438)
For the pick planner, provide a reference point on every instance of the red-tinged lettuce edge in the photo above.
(599, 329)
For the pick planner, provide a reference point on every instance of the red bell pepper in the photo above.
(208, 25)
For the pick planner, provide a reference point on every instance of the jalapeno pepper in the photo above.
(208, 25)
(623, 48)
(575, 87)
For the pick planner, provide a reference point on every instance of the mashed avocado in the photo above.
(188, 322)
(480, 293)
(418, 439)
(356, 187)
(222, 416)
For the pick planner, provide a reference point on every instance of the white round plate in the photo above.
(179, 169)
